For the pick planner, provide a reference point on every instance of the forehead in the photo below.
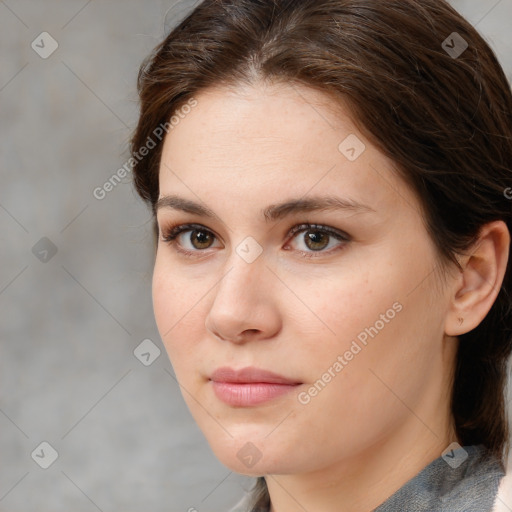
(264, 143)
(281, 118)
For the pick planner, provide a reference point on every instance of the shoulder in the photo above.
(503, 501)
(465, 480)
(475, 482)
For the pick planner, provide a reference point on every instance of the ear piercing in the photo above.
(460, 320)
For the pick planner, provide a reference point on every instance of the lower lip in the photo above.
(244, 395)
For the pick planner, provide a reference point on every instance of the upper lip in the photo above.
(248, 375)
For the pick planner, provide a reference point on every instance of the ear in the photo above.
(475, 289)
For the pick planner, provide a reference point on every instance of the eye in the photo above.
(315, 238)
(200, 238)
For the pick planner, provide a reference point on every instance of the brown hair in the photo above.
(444, 119)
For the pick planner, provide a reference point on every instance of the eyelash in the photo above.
(170, 234)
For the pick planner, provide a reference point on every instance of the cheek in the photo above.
(164, 288)
(383, 340)
(364, 321)
(339, 310)
(175, 307)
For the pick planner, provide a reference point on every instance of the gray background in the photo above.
(69, 326)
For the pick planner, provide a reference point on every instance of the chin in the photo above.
(251, 455)
(253, 468)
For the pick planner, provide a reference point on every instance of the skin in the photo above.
(386, 414)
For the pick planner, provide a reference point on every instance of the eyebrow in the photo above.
(272, 212)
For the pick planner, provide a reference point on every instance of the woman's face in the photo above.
(346, 312)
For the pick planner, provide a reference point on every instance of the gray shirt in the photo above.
(462, 480)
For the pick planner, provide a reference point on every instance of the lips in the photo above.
(249, 386)
(250, 375)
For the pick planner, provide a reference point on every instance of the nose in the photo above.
(245, 306)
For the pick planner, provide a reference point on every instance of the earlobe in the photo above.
(475, 289)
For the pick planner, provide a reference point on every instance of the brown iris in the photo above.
(316, 238)
(203, 237)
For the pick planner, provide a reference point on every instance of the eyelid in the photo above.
(304, 226)
(176, 229)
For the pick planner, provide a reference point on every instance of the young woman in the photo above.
(331, 190)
